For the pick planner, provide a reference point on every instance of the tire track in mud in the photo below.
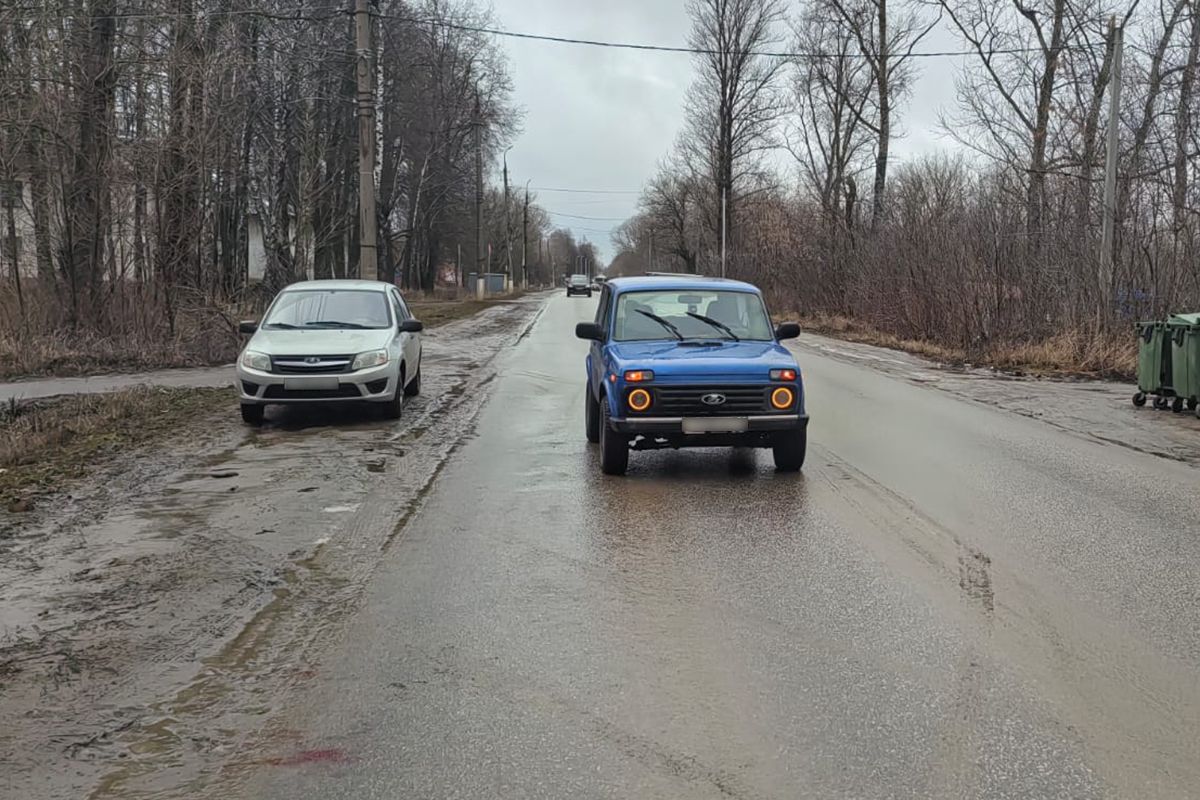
(262, 632)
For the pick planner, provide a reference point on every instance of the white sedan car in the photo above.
(331, 341)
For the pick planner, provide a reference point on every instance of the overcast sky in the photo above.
(601, 119)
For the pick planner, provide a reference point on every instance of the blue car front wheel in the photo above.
(790, 449)
(591, 415)
(614, 447)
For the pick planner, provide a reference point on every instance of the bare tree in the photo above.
(885, 36)
(1009, 97)
(733, 105)
(831, 89)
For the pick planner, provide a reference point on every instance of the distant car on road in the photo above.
(579, 284)
(331, 341)
(687, 361)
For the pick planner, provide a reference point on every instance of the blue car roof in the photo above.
(678, 283)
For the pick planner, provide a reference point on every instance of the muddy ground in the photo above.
(142, 624)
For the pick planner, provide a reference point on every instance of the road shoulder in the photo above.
(1091, 409)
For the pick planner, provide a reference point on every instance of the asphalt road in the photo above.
(952, 601)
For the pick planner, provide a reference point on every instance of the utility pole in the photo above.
(477, 123)
(368, 258)
(651, 258)
(724, 230)
(1110, 169)
(525, 240)
(507, 220)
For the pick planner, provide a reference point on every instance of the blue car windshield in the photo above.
(694, 314)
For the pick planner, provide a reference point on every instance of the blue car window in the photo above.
(741, 312)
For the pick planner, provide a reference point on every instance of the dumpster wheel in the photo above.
(1139, 399)
(1192, 404)
(1160, 403)
(1177, 405)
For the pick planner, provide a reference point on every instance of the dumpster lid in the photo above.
(1185, 319)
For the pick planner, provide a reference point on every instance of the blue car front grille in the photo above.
(688, 401)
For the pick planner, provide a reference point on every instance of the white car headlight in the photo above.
(258, 361)
(372, 358)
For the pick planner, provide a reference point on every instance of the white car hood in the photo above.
(325, 342)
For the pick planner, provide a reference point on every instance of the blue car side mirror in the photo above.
(787, 330)
(589, 330)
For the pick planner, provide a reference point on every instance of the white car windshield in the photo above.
(646, 316)
(329, 308)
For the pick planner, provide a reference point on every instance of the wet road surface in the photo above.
(952, 601)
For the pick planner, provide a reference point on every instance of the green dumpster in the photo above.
(1184, 333)
(1154, 364)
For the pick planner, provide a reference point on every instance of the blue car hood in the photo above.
(681, 362)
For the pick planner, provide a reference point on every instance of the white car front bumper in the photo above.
(374, 385)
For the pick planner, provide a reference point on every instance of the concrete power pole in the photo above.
(1110, 170)
(368, 258)
(525, 240)
(507, 221)
(477, 123)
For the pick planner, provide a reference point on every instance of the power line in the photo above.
(580, 216)
(300, 16)
(586, 191)
(657, 48)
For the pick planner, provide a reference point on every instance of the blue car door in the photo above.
(596, 353)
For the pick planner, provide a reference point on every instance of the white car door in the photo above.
(410, 343)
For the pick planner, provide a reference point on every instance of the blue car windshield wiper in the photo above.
(674, 331)
(721, 326)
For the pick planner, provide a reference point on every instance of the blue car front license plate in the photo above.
(715, 425)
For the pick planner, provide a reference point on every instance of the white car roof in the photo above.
(342, 285)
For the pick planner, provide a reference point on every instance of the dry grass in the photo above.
(852, 330)
(48, 443)
(1075, 353)
(130, 334)
(65, 354)
(1069, 354)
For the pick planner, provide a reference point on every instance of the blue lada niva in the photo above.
(688, 361)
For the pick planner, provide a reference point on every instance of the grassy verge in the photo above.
(69, 355)
(46, 444)
(1076, 354)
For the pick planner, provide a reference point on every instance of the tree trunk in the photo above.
(1035, 199)
(83, 248)
(14, 258)
(1183, 129)
(39, 196)
(885, 121)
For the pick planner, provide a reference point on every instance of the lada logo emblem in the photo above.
(312, 360)
(713, 399)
